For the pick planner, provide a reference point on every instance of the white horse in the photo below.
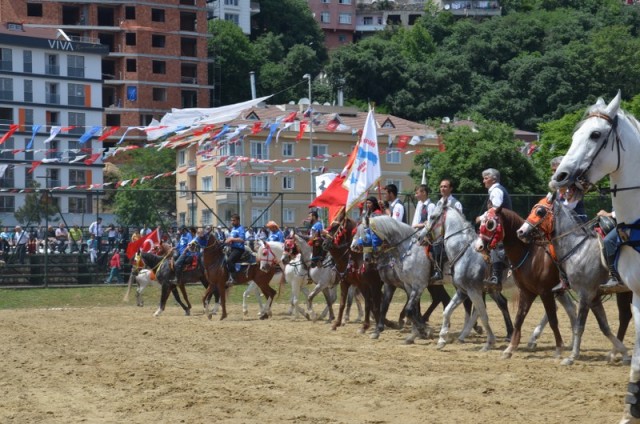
(270, 254)
(144, 278)
(324, 277)
(607, 142)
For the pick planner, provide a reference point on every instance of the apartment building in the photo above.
(48, 79)
(237, 11)
(281, 188)
(157, 52)
(337, 19)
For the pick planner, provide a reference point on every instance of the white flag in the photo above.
(323, 181)
(55, 130)
(365, 171)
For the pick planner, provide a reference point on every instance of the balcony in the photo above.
(189, 80)
(52, 70)
(6, 65)
(75, 72)
(53, 183)
(52, 99)
(6, 95)
(472, 8)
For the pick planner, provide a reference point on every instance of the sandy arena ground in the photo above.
(120, 364)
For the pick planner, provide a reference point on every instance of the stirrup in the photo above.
(561, 286)
(612, 282)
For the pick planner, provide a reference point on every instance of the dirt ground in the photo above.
(120, 364)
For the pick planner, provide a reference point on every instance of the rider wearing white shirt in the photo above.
(396, 208)
(438, 253)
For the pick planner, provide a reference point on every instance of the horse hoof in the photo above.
(478, 329)
(187, 313)
(264, 316)
(209, 316)
(567, 361)
(532, 346)
(441, 345)
(375, 336)
(409, 341)
(507, 355)
(485, 348)
(361, 331)
(246, 312)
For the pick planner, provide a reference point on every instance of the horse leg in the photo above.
(310, 314)
(503, 305)
(617, 345)
(632, 400)
(537, 332)
(183, 290)
(176, 296)
(330, 296)
(477, 297)
(549, 303)
(578, 331)
(438, 295)
(526, 299)
(388, 291)
(570, 308)
(624, 313)
(446, 319)
(245, 295)
(470, 322)
(468, 308)
(417, 328)
(366, 322)
(349, 304)
(345, 290)
(164, 295)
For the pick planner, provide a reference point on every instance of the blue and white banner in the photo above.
(365, 171)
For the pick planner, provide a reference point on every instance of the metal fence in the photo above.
(76, 269)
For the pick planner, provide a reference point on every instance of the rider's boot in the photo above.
(231, 281)
(614, 278)
(436, 274)
(496, 275)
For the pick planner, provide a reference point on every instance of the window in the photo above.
(233, 149)
(182, 219)
(398, 184)
(393, 156)
(7, 204)
(227, 183)
(6, 61)
(34, 9)
(326, 1)
(287, 182)
(259, 185)
(259, 150)
(158, 40)
(6, 89)
(130, 12)
(344, 18)
(53, 118)
(73, 149)
(54, 178)
(145, 119)
(259, 217)
(28, 117)
(51, 93)
(28, 90)
(182, 157)
(77, 205)
(367, 20)
(51, 67)
(344, 1)
(28, 154)
(7, 146)
(53, 152)
(159, 94)
(159, 66)
(207, 217)
(342, 38)
(130, 38)
(157, 15)
(132, 65)
(319, 149)
(27, 61)
(75, 66)
(77, 119)
(207, 184)
(289, 216)
(29, 178)
(325, 17)
(77, 177)
(76, 94)
(230, 2)
(232, 17)
(189, 98)
(182, 189)
(287, 150)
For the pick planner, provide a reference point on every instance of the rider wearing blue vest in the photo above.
(183, 251)
(275, 234)
(315, 224)
(235, 241)
(498, 198)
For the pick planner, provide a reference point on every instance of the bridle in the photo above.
(268, 257)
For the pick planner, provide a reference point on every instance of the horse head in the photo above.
(318, 254)
(266, 256)
(434, 227)
(596, 148)
(491, 232)
(290, 251)
(540, 221)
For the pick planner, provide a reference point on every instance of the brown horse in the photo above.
(213, 258)
(533, 268)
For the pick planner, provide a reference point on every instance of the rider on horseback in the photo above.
(235, 241)
(439, 255)
(610, 249)
(499, 199)
(183, 243)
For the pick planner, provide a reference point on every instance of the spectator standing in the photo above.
(396, 208)
(114, 265)
(20, 240)
(92, 246)
(62, 237)
(96, 229)
(111, 236)
(5, 240)
(145, 231)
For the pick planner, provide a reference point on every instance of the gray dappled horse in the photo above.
(468, 269)
(401, 262)
(578, 252)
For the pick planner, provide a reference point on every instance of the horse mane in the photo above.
(511, 219)
(150, 259)
(303, 247)
(573, 219)
(390, 230)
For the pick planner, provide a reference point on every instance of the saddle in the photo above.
(247, 259)
(191, 264)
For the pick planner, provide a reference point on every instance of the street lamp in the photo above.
(308, 78)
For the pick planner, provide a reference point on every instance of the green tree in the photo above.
(38, 206)
(469, 151)
(153, 200)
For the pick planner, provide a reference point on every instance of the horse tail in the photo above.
(282, 283)
(126, 295)
(514, 299)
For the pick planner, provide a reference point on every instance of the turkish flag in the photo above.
(145, 243)
(333, 197)
(403, 140)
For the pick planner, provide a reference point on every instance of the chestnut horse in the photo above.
(534, 271)
(213, 258)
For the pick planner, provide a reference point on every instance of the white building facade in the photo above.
(49, 79)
